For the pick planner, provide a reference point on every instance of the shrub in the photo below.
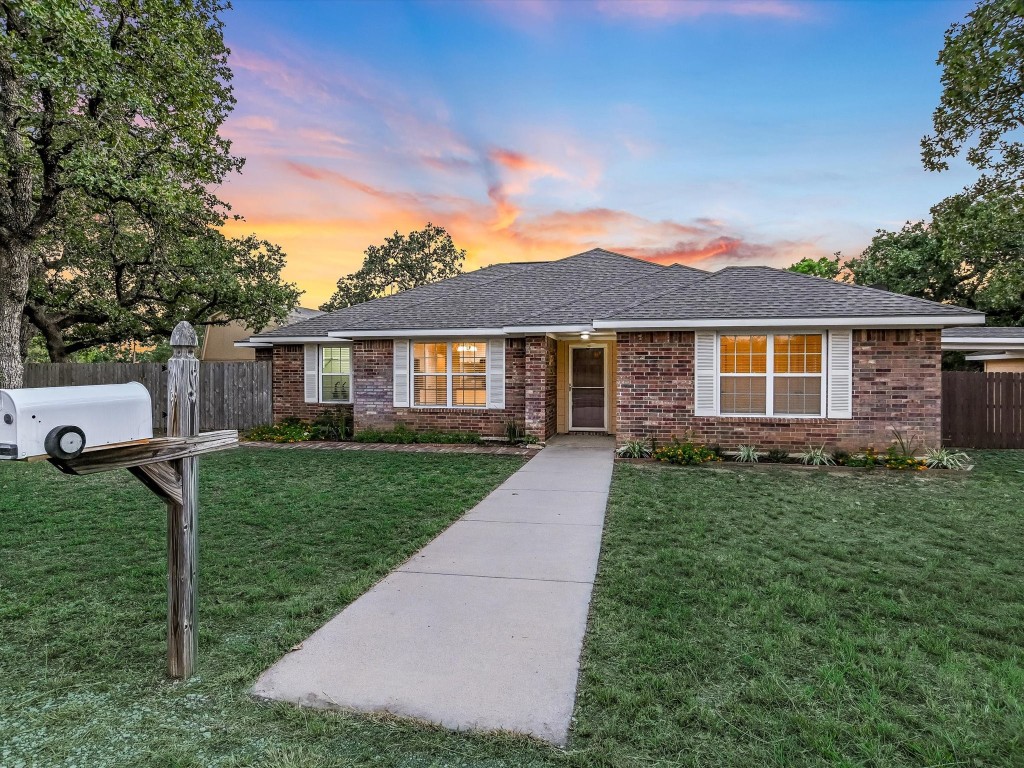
(868, 458)
(777, 456)
(515, 431)
(816, 456)
(402, 435)
(288, 431)
(895, 458)
(331, 425)
(716, 449)
(747, 454)
(840, 457)
(685, 453)
(634, 449)
(945, 458)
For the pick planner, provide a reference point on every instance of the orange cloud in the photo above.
(517, 161)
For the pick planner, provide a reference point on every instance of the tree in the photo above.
(110, 276)
(402, 262)
(971, 254)
(982, 102)
(116, 102)
(825, 267)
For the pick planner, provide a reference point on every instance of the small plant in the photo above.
(945, 458)
(902, 446)
(287, 431)
(776, 456)
(816, 456)
(716, 449)
(748, 454)
(634, 449)
(331, 425)
(840, 457)
(867, 458)
(515, 431)
(687, 453)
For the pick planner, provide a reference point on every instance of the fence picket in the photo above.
(982, 410)
(232, 395)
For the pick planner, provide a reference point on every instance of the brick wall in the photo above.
(897, 383)
(287, 379)
(541, 386)
(373, 394)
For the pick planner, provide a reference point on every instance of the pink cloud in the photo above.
(680, 10)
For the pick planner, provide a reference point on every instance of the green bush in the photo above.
(288, 431)
(686, 453)
(401, 434)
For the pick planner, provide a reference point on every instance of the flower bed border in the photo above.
(768, 466)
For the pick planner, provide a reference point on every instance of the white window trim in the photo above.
(448, 374)
(320, 374)
(770, 375)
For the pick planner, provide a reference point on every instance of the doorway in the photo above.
(587, 389)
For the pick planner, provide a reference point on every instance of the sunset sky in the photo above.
(707, 133)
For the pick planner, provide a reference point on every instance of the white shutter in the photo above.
(401, 373)
(840, 374)
(705, 390)
(495, 373)
(311, 366)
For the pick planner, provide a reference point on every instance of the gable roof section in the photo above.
(764, 293)
(988, 332)
(602, 289)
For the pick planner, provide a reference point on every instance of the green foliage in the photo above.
(635, 449)
(685, 453)
(946, 458)
(109, 107)
(840, 457)
(402, 434)
(286, 431)
(816, 456)
(828, 268)
(402, 262)
(971, 254)
(868, 458)
(747, 454)
(332, 426)
(982, 96)
(777, 456)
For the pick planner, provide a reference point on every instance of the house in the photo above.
(219, 340)
(606, 343)
(1000, 349)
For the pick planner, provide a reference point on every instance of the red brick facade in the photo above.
(373, 393)
(541, 386)
(288, 382)
(897, 383)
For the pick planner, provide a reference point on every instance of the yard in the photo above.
(741, 618)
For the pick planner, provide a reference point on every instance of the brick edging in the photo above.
(485, 450)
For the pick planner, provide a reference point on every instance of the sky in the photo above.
(708, 133)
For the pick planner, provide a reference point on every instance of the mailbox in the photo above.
(64, 421)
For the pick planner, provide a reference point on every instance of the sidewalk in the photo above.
(481, 629)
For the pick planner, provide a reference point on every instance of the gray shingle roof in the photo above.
(993, 332)
(602, 285)
(763, 292)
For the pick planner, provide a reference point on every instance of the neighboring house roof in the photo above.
(220, 341)
(987, 339)
(599, 288)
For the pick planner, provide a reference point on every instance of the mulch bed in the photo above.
(745, 466)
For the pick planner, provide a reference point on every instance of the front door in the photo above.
(586, 389)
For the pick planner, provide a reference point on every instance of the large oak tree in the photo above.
(113, 107)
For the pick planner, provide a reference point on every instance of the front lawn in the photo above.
(740, 618)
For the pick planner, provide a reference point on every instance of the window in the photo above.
(335, 375)
(771, 374)
(449, 374)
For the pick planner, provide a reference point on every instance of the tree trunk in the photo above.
(14, 272)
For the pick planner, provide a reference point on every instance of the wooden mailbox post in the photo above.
(168, 466)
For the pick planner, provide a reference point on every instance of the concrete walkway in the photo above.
(482, 628)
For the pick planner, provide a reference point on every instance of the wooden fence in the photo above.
(982, 410)
(231, 395)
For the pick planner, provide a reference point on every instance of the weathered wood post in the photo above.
(183, 515)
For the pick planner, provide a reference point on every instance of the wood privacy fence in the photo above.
(982, 410)
(231, 395)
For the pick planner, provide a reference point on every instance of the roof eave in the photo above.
(870, 321)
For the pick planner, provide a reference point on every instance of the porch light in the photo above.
(584, 335)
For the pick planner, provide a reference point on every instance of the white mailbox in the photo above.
(64, 421)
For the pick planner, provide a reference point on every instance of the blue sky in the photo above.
(708, 133)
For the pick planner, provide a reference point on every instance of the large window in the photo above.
(335, 375)
(449, 374)
(771, 375)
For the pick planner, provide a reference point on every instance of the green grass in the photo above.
(741, 618)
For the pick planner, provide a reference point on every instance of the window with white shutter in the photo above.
(704, 385)
(311, 367)
(840, 374)
(401, 373)
(496, 373)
